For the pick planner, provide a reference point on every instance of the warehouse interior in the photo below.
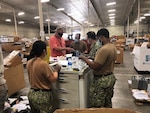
(128, 21)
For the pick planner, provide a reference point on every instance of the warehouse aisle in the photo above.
(122, 95)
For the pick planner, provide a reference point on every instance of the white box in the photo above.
(130, 41)
(141, 58)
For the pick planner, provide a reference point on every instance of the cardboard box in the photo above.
(14, 78)
(13, 59)
(96, 110)
(131, 46)
(119, 59)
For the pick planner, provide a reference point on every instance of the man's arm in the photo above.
(92, 64)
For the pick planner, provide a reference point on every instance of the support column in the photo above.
(41, 20)
(48, 17)
(15, 21)
(82, 31)
(138, 21)
(128, 28)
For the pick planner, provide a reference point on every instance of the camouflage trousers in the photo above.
(40, 101)
(3, 96)
(101, 91)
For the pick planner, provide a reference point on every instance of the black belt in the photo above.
(103, 75)
(44, 90)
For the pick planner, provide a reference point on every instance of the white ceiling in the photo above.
(94, 11)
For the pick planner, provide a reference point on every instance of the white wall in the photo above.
(142, 27)
(23, 30)
(115, 30)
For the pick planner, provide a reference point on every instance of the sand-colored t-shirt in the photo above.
(39, 72)
(106, 56)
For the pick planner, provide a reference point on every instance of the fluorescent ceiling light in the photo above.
(43, 1)
(111, 17)
(69, 14)
(112, 10)
(21, 22)
(60, 9)
(112, 20)
(113, 14)
(47, 20)
(136, 22)
(91, 24)
(21, 13)
(147, 14)
(55, 22)
(8, 20)
(36, 17)
(63, 23)
(143, 17)
(111, 3)
(86, 22)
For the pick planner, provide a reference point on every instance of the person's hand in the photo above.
(57, 67)
(69, 49)
(83, 57)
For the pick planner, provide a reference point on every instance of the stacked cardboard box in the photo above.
(14, 72)
(120, 55)
(120, 42)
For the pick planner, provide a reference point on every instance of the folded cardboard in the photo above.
(96, 110)
(12, 59)
(14, 78)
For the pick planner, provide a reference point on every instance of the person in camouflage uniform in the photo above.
(41, 77)
(101, 88)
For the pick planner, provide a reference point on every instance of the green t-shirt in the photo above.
(93, 49)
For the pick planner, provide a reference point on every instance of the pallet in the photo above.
(138, 102)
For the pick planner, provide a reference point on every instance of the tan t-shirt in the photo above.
(106, 56)
(39, 72)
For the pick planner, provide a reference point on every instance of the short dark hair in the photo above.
(103, 32)
(91, 35)
(37, 49)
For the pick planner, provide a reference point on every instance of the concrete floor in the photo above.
(122, 95)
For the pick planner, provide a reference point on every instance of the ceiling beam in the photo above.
(13, 6)
(92, 2)
(129, 12)
(50, 3)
